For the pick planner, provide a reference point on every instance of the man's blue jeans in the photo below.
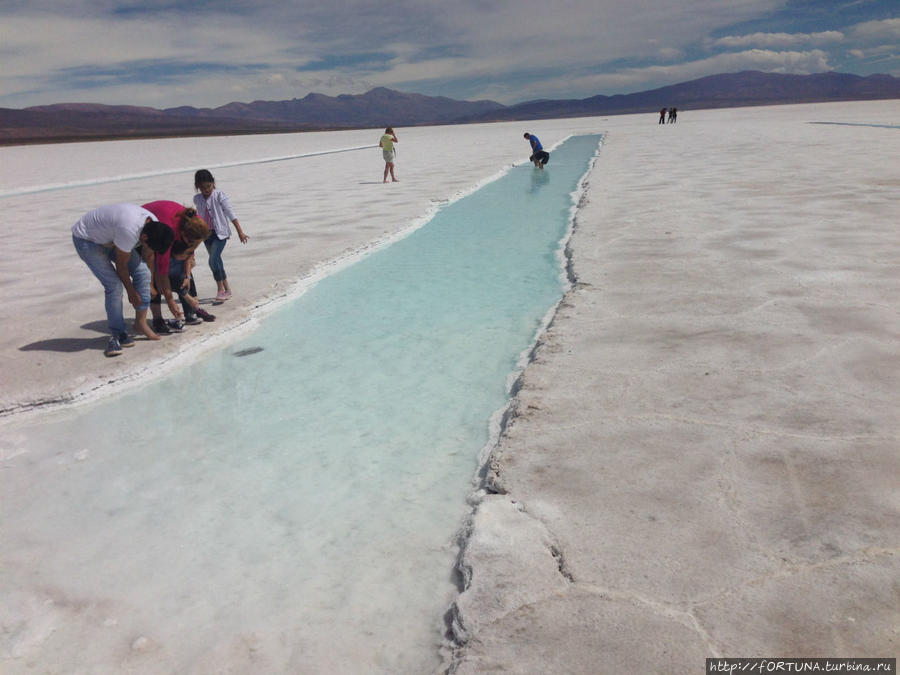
(102, 262)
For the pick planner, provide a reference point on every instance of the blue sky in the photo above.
(173, 52)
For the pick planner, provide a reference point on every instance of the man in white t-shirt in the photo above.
(118, 244)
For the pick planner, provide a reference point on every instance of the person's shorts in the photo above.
(388, 156)
(175, 284)
(541, 156)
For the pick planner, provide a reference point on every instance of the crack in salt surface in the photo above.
(557, 553)
(747, 429)
(795, 568)
(457, 633)
(685, 612)
(675, 612)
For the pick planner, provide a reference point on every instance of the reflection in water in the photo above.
(539, 178)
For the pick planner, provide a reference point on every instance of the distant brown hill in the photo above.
(728, 90)
(380, 107)
(376, 108)
(90, 121)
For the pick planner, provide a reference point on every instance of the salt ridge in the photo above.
(168, 172)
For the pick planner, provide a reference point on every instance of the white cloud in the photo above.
(565, 37)
(777, 40)
(869, 32)
(501, 49)
(636, 79)
(537, 34)
(670, 54)
(218, 89)
(71, 42)
(887, 30)
(871, 52)
(40, 49)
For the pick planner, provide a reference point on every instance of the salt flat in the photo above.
(703, 459)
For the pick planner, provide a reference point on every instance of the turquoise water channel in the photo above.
(300, 490)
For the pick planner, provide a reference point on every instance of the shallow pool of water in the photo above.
(290, 503)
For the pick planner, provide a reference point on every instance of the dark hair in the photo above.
(159, 236)
(192, 227)
(527, 135)
(179, 247)
(203, 176)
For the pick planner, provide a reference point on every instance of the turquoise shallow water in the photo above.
(304, 485)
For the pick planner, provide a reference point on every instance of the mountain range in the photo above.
(380, 107)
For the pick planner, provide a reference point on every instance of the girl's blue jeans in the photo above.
(215, 246)
(101, 260)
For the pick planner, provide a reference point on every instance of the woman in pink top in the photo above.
(189, 228)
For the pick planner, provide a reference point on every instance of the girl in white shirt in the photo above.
(214, 207)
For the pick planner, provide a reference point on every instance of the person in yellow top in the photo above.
(387, 151)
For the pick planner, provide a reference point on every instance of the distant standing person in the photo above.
(214, 207)
(387, 151)
(118, 244)
(538, 155)
(673, 115)
(662, 116)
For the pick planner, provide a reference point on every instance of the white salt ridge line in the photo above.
(166, 172)
(861, 124)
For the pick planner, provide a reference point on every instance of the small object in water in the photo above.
(248, 351)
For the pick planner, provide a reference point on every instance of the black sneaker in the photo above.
(113, 348)
(206, 316)
(126, 340)
(175, 325)
(160, 327)
(192, 319)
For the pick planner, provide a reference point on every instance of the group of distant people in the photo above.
(149, 251)
(673, 115)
